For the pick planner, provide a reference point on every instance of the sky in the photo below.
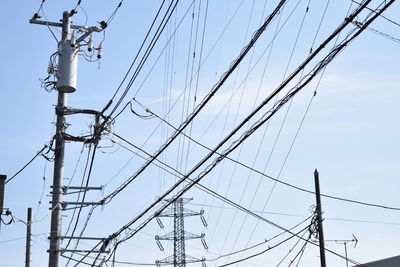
(344, 123)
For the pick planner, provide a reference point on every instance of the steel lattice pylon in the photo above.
(179, 235)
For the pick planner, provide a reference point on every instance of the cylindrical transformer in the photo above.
(67, 67)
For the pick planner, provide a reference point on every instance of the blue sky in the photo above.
(350, 132)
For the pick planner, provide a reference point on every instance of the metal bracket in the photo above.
(82, 237)
(79, 189)
(71, 111)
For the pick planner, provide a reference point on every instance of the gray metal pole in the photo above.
(3, 179)
(55, 228)
(28, 238)
(319, 220)
(345, 253)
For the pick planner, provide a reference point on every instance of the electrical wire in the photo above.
(136, 56)
(293, 248)
(271, 177)
(265, 250)
(224, 77)
(82, 182)
(302, 121)
(112, 16)
(276, 138)
(36, 16)
(200, 186)
(28, 163)
(133, 232)
(331, 55)
(221, 256)
(385, 35)
(200, 66)
(146, 54)
(382, 16)
(84, 195)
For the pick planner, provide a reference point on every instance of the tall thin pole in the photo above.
(2, 184)
(319, 220)
(28, 238)
(345, 253)
(55, 228)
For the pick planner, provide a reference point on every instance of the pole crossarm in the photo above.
(71, 111)
(186, 236)
(170, 260)
(79, 189)
(84, 29)
(82, 237)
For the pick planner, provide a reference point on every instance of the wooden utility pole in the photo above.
(28, 238)
(319, 220)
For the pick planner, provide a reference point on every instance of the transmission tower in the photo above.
(179, 235)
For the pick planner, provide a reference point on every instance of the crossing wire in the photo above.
(30, 161)
(331, 55)
(159, 31)
(188, 120)
(261, 172)
(276, 139)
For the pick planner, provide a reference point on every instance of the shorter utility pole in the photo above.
(28, 238)
(2, 184)
(319, 220)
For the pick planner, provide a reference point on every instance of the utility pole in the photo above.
(28, 238)
(58, 174)
(319, 219)
(2, 184)
(66, 74)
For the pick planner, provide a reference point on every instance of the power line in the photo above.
(382, 16)
(385, 35)
(267, 249)
(148, 51)
(200, 66)
(321, 65)
(221, 256)
(268, 176)
(83, 197)
(214, 90)
(277, 136)
(303, 216)
(215, 194)
(30, 161)
(140, 49)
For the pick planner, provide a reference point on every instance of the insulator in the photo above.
(160, 223)
(100, 51)
(203, 263)
(204, 243)
(50, 68)
(36, 16)
(203, 220)
(73, 40)
(90, 44)
(160, 246)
